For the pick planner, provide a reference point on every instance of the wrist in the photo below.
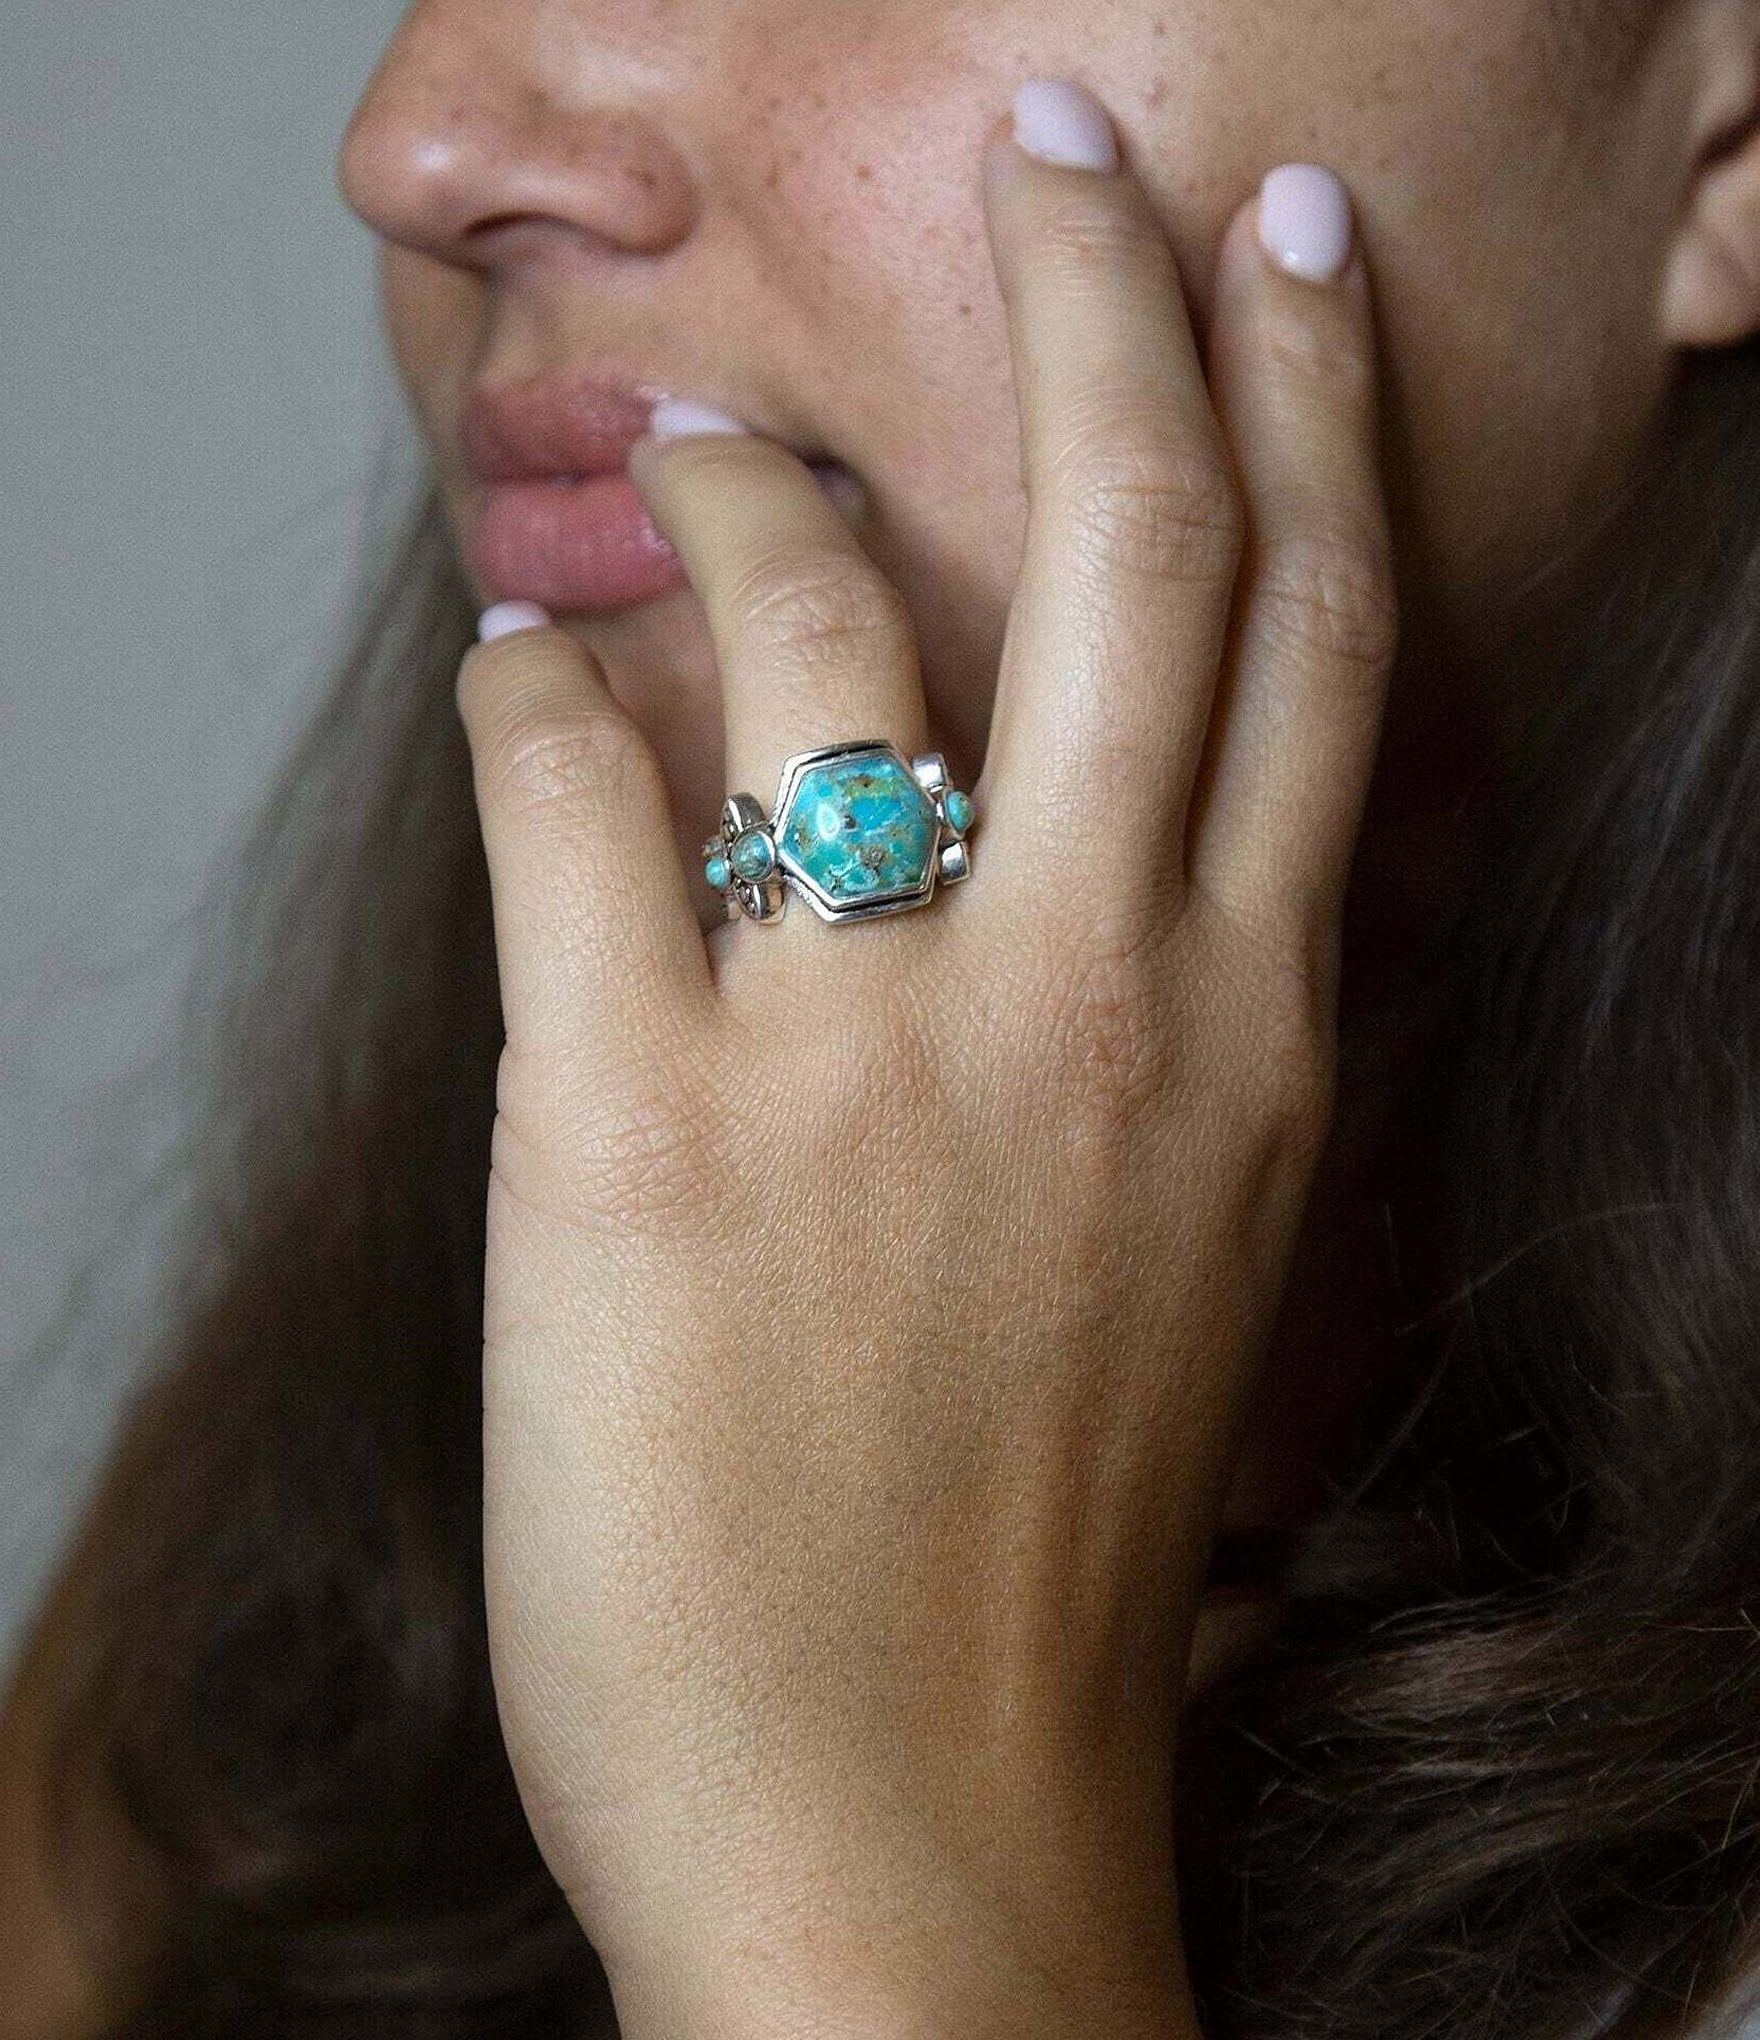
(862, 1936)
(950, 1987)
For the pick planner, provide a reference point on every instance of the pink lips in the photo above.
(586, 544)
(560, 522)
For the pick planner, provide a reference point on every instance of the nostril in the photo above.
(506, 172)
(510, 239)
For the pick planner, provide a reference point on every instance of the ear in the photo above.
(1711, 290)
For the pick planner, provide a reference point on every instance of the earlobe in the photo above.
(1711, 294)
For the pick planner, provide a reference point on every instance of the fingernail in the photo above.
(502, 617)
(1061, 122)
(675, 416)
(1305, 221)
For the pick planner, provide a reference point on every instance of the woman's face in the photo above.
(774, 205)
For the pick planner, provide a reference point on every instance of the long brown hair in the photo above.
(1496, 1778)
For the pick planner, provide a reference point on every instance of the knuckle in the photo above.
(879, 1085)
(1094, 231)
(813, 607)
(654, 1165)
(865, 1099)
(1109, 1022)
(1294, 1128)
(636, 1149)
(1334, 364)
(1281, 990)
(1284, 1131)
(551, 760)
(1332, 596)
(1143, 506)
(1300, 1086)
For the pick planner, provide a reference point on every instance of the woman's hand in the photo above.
(871, 1309)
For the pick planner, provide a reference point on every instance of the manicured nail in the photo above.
(675, 416)
(1305, 221)
(502, 617)
(1061, 122)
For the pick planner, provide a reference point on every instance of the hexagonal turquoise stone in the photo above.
(858, 828)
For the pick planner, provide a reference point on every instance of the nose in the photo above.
(490, 130)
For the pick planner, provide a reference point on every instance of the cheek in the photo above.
(874, 239)
(1518, 260)
(1515, 296)
(1519, 395)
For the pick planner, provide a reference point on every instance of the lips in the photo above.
(559, 521)
(552, 425)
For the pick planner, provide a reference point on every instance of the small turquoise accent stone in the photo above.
(754, 855)
(858, 828)
(957, 807)
(717, 873)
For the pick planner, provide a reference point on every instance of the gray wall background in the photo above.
(194, 390)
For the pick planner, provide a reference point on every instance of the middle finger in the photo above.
(815, 646)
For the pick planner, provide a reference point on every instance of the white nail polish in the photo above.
(501, 618)
(673, 417)
(1305, 221)
(1061, 122)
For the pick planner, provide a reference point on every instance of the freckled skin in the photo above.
(819, 253)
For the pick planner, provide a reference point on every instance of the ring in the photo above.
(856, 829)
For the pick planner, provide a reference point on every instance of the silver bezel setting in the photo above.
(949, 860)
